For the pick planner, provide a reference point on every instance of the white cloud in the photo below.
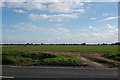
(114, 30)
(108, 26)
(65, 7)
(28, 5)
(60, 0)
(69, 38)
(79, 10)
(59, 17)
(28, 27)
(59, 30)
(46, 1)
(24, 27)
(87, 38)
(110, 18)
(20, 11)
(91, 38)
(43, 1)
(58, 7)
(92, 18)
(14, 0)
(93, 28)
(60, 35)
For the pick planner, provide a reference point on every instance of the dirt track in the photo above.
(79, 55)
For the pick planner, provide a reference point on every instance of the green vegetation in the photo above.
(104, 61)
(113, 56)
(18, 60)
(34, 55)
(92, 48)
(61, 61)
(36, 58)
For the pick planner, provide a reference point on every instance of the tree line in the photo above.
(116, 43)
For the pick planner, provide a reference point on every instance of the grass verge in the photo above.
(24, 58)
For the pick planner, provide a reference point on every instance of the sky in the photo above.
(59, 22)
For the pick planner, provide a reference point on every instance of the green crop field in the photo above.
(93, 48)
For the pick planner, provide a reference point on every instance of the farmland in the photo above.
(92, 48)
(97, 56)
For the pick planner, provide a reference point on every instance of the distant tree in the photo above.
(117, 43)
(42, 44)
(31, 43)
(104, 44)
(11, 44)
(63, 44)
(83, 44)
(27, 43)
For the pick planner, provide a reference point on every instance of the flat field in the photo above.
(92, 48)
(97, 56)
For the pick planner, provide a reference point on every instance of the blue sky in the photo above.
(60, 22)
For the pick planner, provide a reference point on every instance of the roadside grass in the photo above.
(65, 61)
(113, 56)
(25, 58)
(103, 61)
(18, 60)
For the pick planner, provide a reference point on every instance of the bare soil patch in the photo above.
(79, 55)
